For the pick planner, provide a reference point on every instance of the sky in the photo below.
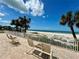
(44, 14)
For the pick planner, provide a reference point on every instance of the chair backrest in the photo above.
(10, 37)
(46, 48)
(30, 42)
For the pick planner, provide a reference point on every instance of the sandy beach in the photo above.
(50, 34)
(39, 29)
(9, 51)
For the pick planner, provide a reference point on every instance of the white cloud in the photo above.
(15, 4)
(33, 7)
(1, 14)
(36, 7)
(45, 16)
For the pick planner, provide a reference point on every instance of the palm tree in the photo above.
(76, 17)
(12, 22)
(68, 19)
(21, 22)
(16, 23)
(63, 21)
(24, 23)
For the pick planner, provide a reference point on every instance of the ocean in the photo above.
(53, 31)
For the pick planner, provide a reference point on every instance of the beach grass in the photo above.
(45, 39)
(1, 31)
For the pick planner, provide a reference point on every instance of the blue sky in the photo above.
(44, 14)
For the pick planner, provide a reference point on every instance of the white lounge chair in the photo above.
(42, 47)
(13, 41)
(11, 37)
(31, 44)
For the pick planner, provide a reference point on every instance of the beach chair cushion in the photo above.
(39, 46)
(46, 47)
(30, 42)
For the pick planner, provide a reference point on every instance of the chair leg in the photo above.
(28, 52)
(51, 54)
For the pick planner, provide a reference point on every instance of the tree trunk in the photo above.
(20, 29)
(73, 33)
(24, 30)
(16, 28)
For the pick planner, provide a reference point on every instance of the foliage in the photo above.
(21, 22)
(70, 19)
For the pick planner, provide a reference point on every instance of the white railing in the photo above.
(74, 46)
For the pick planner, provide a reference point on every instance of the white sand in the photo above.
(62, 53)
(8, 51)
(50, 34)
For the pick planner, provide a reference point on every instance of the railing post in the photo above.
(76, 46)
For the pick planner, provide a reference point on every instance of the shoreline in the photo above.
(69, 35)
(68, 32)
